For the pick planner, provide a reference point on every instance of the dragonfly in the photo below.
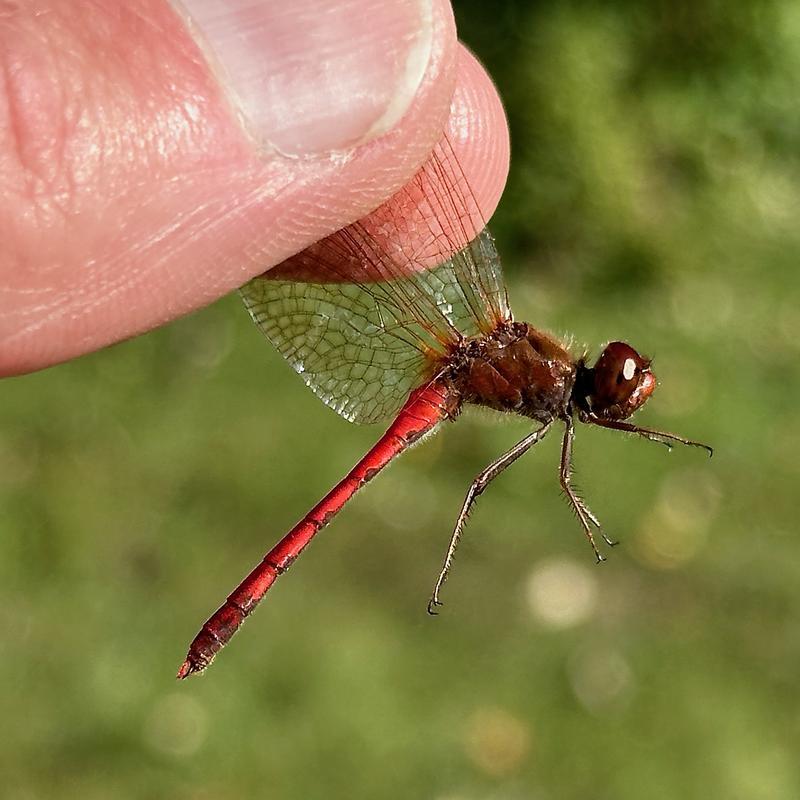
(413, 329)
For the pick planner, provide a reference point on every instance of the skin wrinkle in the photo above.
(24, 173)
(10, 121)
(182, 229)
(43, 123)
(59, 180)
(41, 118)
(46, 195)
(76, 304)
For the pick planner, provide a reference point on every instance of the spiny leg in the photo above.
(585, 516)
(662, 437)
(596, 522)
(484, 478)
(593, 519)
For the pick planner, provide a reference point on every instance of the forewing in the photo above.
(365, 316)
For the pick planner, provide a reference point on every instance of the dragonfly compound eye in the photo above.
(622, 381)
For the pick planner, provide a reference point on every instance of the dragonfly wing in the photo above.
(364, 320)
(347, 347)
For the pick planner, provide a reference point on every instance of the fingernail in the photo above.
(311, 76)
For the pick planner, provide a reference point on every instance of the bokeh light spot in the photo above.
(561, 593)
(601, 679)
(677, 528)
(496, 741)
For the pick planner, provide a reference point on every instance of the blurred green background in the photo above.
(654, 196)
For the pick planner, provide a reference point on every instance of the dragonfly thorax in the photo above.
(516, 368)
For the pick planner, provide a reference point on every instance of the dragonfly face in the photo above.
(618, 385)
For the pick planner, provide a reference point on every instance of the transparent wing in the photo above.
(364, 319)
(362, 348)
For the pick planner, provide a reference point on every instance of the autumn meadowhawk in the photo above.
(415, 331)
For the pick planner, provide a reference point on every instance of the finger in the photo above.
(144, 175)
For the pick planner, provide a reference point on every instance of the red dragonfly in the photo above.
(415, 332)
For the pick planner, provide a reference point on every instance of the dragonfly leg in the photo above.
(593, 519)
(662, 437)
(476, 488)
(582, 512)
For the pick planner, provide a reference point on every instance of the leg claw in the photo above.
(432, 604)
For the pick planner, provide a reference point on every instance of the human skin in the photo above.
(143, 177)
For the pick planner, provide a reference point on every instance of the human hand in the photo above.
(152, 163)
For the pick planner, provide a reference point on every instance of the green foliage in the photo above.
(654, 196)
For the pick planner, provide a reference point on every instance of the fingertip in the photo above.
(478, 129)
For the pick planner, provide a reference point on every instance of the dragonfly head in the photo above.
(619, 384)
